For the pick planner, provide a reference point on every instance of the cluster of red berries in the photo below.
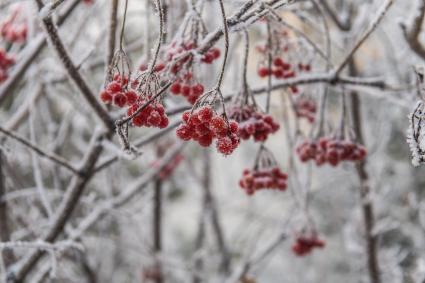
(304, 245)
(331, 150)
(6, 61)
(14, 30)
(157, 68)
(279, 69)
(176, 52)
(305, 108)
(152, 273)
(260, 179)
(253, 123)
(153, 114)
(186, 86)
(204, 126)
(117, 92)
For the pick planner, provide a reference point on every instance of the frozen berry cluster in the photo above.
(121, 94)
(330, 150)
(152, 115)
(15, 28)
(279, 69)
(179, 55)
(253, 123)
(181, 62)
(187, 87)
(305, 108)
(204, 126)
(117, 92)
(305, 245)
(6, 61)
(267, 178)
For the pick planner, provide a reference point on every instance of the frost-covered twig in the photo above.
(51, 156)
(73, 73)
(373, 25)
(412, 33)
(41, 245)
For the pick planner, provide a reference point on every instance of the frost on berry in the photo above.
(285, 62)
(330, 150)
(305, 108)
(306, 243)
(205, 126)
(252, 123)
(15, 28)
(265, 174)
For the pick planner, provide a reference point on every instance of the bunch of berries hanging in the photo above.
(253, 123)
(305, 244)
(204, 125)
(6, 61)
(15, 28)
(265, 174)
(305, 108)
(330, 150)
(136, 93)
(281, 56)
(181, 60)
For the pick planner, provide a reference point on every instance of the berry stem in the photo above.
(161, 33)
(226, 45)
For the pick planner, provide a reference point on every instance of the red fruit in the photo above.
(185, 90)
(208, 58)
(131, 97)
(175, 88)
(215, 52)
(197, 89)
(164, 123)
(159, 67)
(186, 116)
(113, 87)
(105, 96)
(154, 119)
(184, 132)
(205, 140)
(217, 124)
(233, 125)
(224, 145)
(263, 72)
(205, 114)
(120, 100)
(278, 62)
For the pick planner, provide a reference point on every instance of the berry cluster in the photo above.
(305, 108)
(279, 69)
(187, 87)
(15, 28)
(6, 61)
(181, 62)
(253, 123)
(179, 54)
(152, 115)
(331, 150)
(260, 179)
(117, 92)
(304, 245)
(204, 125)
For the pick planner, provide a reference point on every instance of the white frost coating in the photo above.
(416, 128)
(46, 11)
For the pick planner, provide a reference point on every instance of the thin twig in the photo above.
(51, 156)
(73, 72)
(374, 24)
